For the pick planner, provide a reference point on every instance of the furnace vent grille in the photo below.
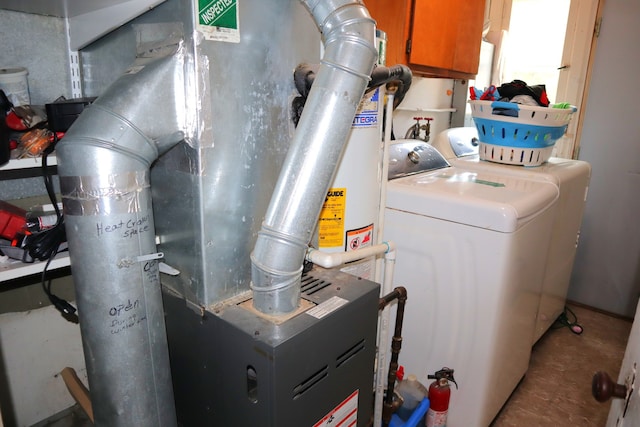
(305, 385)
(350, 353)
(310, 285)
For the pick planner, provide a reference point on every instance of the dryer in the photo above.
(460, 147)
(471, 247)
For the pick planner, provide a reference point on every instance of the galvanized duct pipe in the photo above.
(103, 163)
(350, 54)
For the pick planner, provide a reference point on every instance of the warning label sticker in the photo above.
(359, 238)
(218, 20)
(327, 307)
(367, 112)
(331, 221)
(343, 415)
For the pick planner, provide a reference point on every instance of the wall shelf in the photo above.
(14, 269)
(28, 163)
(11, 268)
(86, 20)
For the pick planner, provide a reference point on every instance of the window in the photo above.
(533, 49)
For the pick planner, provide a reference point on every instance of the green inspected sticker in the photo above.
(218, 20)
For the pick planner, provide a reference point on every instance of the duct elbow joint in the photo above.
(346, 23)
(350, 55)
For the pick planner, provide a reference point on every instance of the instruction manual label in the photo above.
(218, 20)
(331, 221)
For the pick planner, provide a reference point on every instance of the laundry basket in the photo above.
(525, 136)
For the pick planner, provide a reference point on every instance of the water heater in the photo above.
(349, 217)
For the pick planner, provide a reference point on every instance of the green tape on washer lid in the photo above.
(490, 183)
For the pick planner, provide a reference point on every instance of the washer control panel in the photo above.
(411, 156)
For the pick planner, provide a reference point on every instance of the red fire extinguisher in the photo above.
(439, 395)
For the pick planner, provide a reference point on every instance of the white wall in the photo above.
(35, 346)
(37, 43)
(607, 268)
(427, 98)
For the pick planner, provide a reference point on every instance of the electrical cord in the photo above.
(45, 245)
(67, 310)
(569, 319)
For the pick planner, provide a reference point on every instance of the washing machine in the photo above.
(471, 247)
(460, 147)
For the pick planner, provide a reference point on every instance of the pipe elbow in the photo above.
(402, 293)
(350, 54)
(349, 34)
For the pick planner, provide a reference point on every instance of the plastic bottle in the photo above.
(412, 392)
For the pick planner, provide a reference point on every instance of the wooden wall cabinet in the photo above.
(435, 38)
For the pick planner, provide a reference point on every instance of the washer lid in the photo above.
(480, 199)
(457, 142)
(556, 170)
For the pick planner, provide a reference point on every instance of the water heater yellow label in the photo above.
(331, 221)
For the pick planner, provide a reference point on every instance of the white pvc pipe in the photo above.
(330, 260)
(334, 259)
(387, 282)
(385, 173)
(383, 337)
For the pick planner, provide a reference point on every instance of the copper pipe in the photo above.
(399, 293)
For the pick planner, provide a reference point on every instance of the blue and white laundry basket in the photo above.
(518, 134)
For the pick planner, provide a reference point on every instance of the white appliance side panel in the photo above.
(572, 178)
(564, 243)
(473, 296)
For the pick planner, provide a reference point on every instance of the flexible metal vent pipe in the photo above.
(103, 164)
(350, 54)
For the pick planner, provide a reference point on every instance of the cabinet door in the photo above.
(446, 36)
(392, 17)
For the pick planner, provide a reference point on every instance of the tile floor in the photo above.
(556, 391)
